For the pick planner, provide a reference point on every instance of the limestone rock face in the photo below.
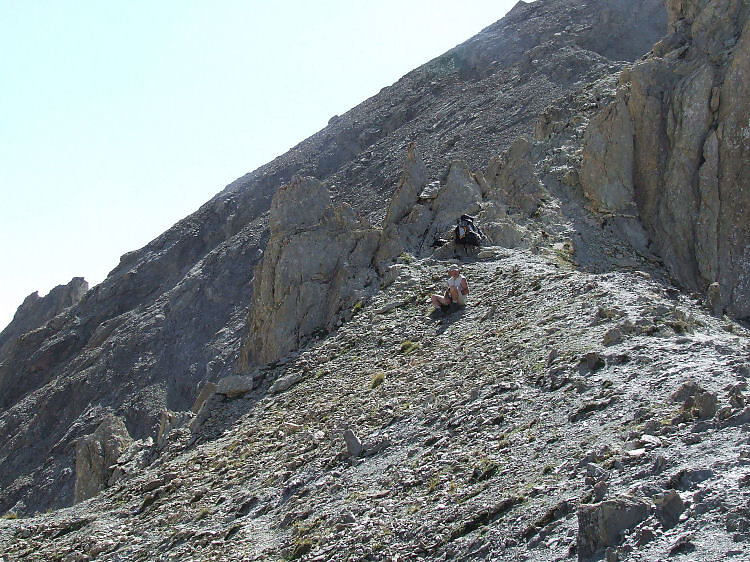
(96, 453)
(607, 167)
(318, 262)
(676, 144)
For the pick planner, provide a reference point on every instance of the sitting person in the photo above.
(456, 292)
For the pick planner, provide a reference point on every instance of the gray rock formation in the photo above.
(418, 215)
(406, 220)
(601, 525)
(96, 454)
(513, 181)
(675, 144)
(317, 264)
(35, 311)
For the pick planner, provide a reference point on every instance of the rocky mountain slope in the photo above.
(172, 315)
(588, 402)
(483, 432)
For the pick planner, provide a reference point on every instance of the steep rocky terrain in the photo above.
(173, 314)
(589, 401)
(680, 130)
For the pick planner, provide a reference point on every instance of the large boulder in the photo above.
(96, 455)
(317, 265)
(602, 524)
(676, 145)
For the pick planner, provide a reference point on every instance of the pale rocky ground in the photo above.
(491, 426)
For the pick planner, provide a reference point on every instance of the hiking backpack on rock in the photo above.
(467, 232)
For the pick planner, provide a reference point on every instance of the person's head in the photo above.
(454, 271)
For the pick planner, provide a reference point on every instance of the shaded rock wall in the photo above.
(676, 143)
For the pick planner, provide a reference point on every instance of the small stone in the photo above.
(595, 471)
(737, 401)
(660, 463)
(612, 336)
(682, 545)
(353, 444)
(600, 490)
(285, 383)
(713, 300)
(686, 390)
(594, 361)
(347, 517)
(234, 385)
(724, 413)
(669, 507)
(706, 404)
(390, 275)
(645, 536)
(551, 356)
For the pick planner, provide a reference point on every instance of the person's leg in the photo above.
(438, 300)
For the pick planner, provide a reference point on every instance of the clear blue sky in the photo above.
(117, 119)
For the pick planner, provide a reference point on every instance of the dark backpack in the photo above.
(467, 232)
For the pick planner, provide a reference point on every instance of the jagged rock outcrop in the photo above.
(676, 144)
(97, 453)
(36, 310)
(170, 421)
(419, 215)
(512, 178)
(406, 219)
(317, 264)
(460, 194)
